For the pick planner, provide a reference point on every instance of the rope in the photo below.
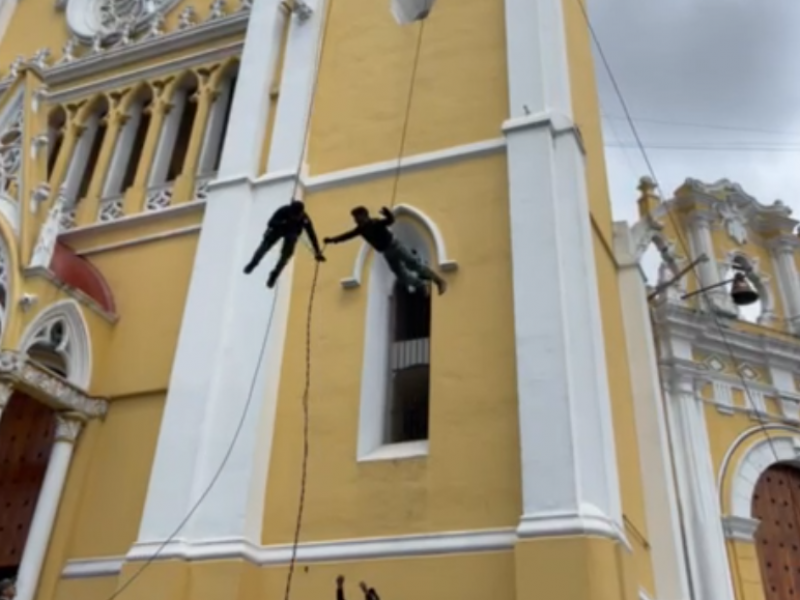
(303, 477)
(763, 425)
(306, 391)
(225, 459)
(407, 118)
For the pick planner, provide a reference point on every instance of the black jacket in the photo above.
(375, 232)
(288, 225)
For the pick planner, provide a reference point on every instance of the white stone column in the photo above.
(697, 488)
(783, 250)
(702, 243)
(660, 496)
(217, 358)
(68, 427)
(562, 388)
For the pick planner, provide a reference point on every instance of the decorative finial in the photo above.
(187, 18)
(217, 10)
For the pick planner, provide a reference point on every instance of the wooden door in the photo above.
(27, 429)
(775, 504)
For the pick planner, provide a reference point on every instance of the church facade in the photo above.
(506, 439)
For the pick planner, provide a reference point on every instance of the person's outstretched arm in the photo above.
(338, 239)
(369, 593)
(340, 588)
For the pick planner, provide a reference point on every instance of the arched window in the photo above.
(217, 126)
(176, 131)
(394, 414)
(130, 143)
(4, 282)
(87, 152)
(775, 505)
(56, 122)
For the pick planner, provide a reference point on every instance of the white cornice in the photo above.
(715, 335)
(142, 51)
(492, 540)
(740, 529)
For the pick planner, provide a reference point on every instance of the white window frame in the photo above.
(167, 139)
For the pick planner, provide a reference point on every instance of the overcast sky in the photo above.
(714, 90)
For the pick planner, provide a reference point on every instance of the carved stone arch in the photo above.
(11, 155)
(143, 90)
(227, 68)
(61, 330)
(100, 102)
(779, 447)
(408, 227)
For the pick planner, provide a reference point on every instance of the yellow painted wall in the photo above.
(150, 283)
(746, 571)
(365, 75)
(471, 479)
(105, 491)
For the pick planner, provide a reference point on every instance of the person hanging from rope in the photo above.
(408, 268)
(288, 222)
(369, 593)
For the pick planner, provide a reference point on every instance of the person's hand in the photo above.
(319, 256)
(327, 241)
(364, 587)
(340, 580)
(386, 212)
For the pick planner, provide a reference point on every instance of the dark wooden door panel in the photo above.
(27, 429)
(777, 539)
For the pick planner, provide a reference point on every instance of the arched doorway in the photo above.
(775, 505)
(27, 430)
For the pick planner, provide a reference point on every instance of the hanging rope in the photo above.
(407, 119)
(307, 388)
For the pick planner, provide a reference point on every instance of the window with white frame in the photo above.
(56, 124)
(86, 157)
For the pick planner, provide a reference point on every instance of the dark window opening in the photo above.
(55, 148)
(94, 155)
(409, 393)
(136, 151)
(44, 356)
(225, 119)
(184, 136)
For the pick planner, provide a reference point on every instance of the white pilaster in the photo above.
(660, 501)
(783, 250)
(697, 488)
(702, 243)
(241, 153)
(68, 428)
(216, 359)
(564, 409)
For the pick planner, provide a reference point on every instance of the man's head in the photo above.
(360, 214)
(8, 589)
(296, 208)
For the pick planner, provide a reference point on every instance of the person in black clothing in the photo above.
(369, 593)
(288, 222)
(404, 264)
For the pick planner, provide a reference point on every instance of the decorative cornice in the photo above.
(714, 334)
(139, 51)
(26, 375)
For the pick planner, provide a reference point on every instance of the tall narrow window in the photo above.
(136, 150)
(55, 137)
(94, 154)
(225, 119)
(184, 135)
(409, 356)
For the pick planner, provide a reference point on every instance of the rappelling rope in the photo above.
(307, 388)
(225, 459)
(407, 119)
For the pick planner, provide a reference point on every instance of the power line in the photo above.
(709, 147)
(715, 126)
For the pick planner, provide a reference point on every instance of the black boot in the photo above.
(273, 277)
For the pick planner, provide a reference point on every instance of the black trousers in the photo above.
(271, 237)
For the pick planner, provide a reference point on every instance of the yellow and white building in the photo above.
(505, 440)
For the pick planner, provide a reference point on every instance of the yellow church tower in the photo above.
(160, 405)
